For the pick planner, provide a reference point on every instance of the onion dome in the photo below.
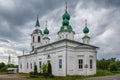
(37, 23)
(65, 22)
(86, 30)
(46, 31)
(37, 31)
(66, 16)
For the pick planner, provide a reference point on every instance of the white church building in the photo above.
(67, 56)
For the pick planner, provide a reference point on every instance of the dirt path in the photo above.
(11, 77)
(114, 77)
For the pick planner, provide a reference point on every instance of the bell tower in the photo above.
(66, 31)
(36, 36)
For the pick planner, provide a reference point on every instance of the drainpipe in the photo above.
(66, 58)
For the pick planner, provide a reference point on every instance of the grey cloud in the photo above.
(4, 40)
(24, 11)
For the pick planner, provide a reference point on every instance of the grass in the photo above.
(3, 73)
(99, 73)
(60, 78)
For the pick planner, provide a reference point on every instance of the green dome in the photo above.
(66, 16)
(37, 31)
(65, 22)
(86, 30)
(46, 31)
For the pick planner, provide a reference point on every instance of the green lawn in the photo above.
(3, 73)
(60, 78)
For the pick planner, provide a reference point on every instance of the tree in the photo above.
(44, 68)
(3, 67)
(35, 69)
(113, 66)
(49, 68)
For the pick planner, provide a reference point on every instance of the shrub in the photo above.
(35, 70)
(31, 74)
(49, 68)
(113, 66)
(44, 68)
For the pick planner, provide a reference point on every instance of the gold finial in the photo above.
(85, 22)
(46, 23)
(66, 6)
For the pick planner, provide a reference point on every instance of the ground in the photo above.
(11, 77)
(19, 77)
(113, 77)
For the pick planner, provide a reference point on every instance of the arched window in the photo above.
(33, 38)
(66, 36)
(38, 38)
(33, 48)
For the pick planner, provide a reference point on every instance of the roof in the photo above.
(68, 41)
(37, 23)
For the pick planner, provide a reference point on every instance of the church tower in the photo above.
(46, 39)
(9, 60)
(86, 38)
(66, 31)
(36, 36)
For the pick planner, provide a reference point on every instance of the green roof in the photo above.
(37, 31)
(46, 38)
(69, 28)
(46, 31)
(37, 23)
(86, 36)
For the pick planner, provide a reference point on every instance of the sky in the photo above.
(18, 17)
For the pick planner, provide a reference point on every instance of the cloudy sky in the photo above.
(18, 17)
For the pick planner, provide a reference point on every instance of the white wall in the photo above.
(58, 51)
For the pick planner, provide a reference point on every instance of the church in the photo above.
(67, 56)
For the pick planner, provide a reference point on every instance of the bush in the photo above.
(113, 66)
(35, 70)
(49, 68)
(44, 68)
(47, 75)
(31, 74)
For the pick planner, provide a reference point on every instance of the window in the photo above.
(31, 65)
(91, 63)
(21, 66)
(34, 63)
(80, 63)
(38, 38)
(48, 56)
(33, 48)
(60, 63)
(33, 38)
(40, 63)
(66, 36)
(27, 65)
